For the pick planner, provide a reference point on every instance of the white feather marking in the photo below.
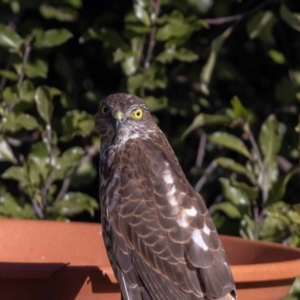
(197, 238)
(125, 286)
(172, 200)
(172, 191)
(182, 221)
(206, 229)
(191, 211)
(168, 177)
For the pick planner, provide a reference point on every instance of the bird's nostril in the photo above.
(119, 116)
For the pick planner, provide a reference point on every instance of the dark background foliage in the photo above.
(222, 79)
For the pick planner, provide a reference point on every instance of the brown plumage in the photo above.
(159, 237)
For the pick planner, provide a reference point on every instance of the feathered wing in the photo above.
(165, 243)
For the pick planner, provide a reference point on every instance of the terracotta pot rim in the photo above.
(281, 270)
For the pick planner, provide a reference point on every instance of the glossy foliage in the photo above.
(223, 81)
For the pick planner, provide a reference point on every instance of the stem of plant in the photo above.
(24, 62)
(257, 211)
(152, 40)
(236, 18)
(201, 150)
(49, 179)
(205, 176)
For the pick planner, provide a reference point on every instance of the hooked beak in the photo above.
(119, 120)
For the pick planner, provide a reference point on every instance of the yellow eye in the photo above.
(137, 114)
(104, 110)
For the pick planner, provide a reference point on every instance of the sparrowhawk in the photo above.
(160, 239)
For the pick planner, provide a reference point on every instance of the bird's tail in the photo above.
(229, 296)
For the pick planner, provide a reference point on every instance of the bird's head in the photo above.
(122, 117)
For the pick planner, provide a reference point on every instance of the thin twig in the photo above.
(37, 209)
(263, 186)
(152, 42)
(224, 20)
(236, 18)
(201, 150)
(24, 62)
(152, 39)
(65, 187)
(205, 176)
(257, 219)
(49, 179)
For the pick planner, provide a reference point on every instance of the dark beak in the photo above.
(119, 120)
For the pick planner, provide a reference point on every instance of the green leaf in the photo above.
(121, 54)
(27, 121)
(39, 157)
(16, 173)
(38, 68)
(252, 192)
(270, 139)
(293, 19)
(206, 119)
(26, 91)
(10, 123)
(238, 108)
(173, 30)
(279, 188)
(111, 38)
(43, 103)
(52, 38)
(6, 153)
(9, 75)
(229, 141)
(75, 3)
(135, 82)
(133, 29)
(76, 123)
(229, 209)
(271, 175)
(236, 196)
(208, 68)
(167, 56)
(261, 26)
(186, 55)
(176, 17)
(129, 65)
(294, 217)
(85, 173)
(60, 14)
(276, 223)
(69, 159)
(277, 56)
(72, 204)
(141, 14)
(10, 94)
(9, 39)
(155, 77)
(89, 34)
(155, 104)
(182, 54)
(230, 164)
(11, 209)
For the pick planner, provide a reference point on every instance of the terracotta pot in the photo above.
(261, 270)
(64, 261)
(43, 260)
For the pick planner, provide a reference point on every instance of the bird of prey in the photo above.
(159, 237)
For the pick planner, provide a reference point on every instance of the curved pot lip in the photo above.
(270, 271)
(282, 270)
